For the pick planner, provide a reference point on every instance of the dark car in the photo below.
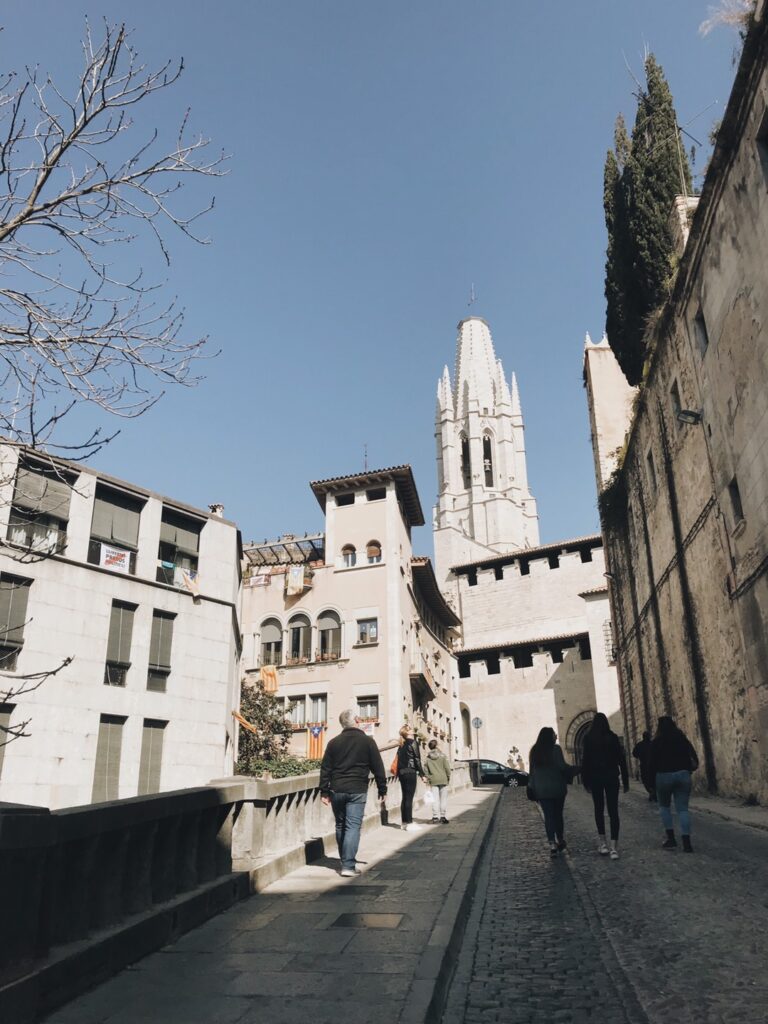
(485, 772)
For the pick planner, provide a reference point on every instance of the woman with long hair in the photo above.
(672, 761)
(548, 781)
(602, 762)
(409, 769)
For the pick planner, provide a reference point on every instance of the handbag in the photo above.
(529, 792)
(393, 766)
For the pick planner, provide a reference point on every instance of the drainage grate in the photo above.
(367, 921)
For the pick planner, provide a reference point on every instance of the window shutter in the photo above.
(160, 641)
(151, 756)
(14, 594)
(328, 620)
(120, 633)
(125, 526)
(180, 531)
(106, 774)
(42, 494)
(102, 519)
(373, 550)
(116, 518)
(271, 633)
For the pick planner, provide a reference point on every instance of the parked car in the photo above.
(485, 772)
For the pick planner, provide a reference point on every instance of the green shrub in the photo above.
(278, 768)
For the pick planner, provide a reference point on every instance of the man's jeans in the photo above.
(439, 802)
(348, 809)
(677, 785)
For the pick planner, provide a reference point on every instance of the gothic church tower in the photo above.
(484, 506)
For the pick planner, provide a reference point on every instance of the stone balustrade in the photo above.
(86, 890)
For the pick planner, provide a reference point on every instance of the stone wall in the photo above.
(686, 517)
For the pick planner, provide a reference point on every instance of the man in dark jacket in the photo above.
(348, 761)
(642, 752)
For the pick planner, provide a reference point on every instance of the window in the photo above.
(6, 710)
(674, 398)
(345, 499)
(295, 710)
(106, 773)
(299, 640)
(318, 709)
(40, 509)
(271, 642)
(737, 508)
(368, 708)
(119, 643)
(585, 650)
(115, 530)
(762, 144)
(586, 554)
(160, 651)
(466, 468)
(179, 547)
(329, 636)
(14, 595)
(376, 494)
(373, 551)
(151, 756)
(487, 461)
(367, 631)
(700, 332)
(651, 465)
(349, 555)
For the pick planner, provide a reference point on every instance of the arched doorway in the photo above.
(574, 737)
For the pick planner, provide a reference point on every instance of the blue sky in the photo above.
(384, 157)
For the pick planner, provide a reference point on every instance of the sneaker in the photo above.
(553, 852)
(412, 827)
(443, 821)
(614, 854)
(602, 849)
(436, 821)
(561, 845)
(349, 872)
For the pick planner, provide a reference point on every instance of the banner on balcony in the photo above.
(315, 741)
(117, 559)
(269, 678)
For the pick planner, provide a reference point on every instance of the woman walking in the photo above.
(438, 771)
(672, 761)
(409, 769)
(602, 762)
(548, 783)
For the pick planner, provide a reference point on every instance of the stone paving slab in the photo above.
(278, 958)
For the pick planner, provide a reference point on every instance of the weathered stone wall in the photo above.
(686, 520)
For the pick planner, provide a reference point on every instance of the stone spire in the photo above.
(484, 505)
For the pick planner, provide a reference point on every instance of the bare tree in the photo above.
(78, 325)
(77, 186)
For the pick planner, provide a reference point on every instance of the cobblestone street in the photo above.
(657, 936)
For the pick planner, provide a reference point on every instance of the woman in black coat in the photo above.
(602, 762)
(409, 770)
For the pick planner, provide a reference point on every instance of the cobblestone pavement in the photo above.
(657, 936)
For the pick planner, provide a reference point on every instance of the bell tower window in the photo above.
(466, 469)
(487, 461)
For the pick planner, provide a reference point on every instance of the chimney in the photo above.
(217, 510)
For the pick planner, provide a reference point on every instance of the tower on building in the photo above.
(484, 505)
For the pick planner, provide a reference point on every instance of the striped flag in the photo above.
(315, 741)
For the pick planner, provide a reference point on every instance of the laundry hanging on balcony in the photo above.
(269, 678)
(297, 579)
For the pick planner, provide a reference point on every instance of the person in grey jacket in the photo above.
(548, 780)
(437, 769)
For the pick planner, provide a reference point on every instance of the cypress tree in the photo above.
(642, 178)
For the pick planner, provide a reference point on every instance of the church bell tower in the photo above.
(484, 506)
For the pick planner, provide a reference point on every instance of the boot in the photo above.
(687, 848)
(614, 849)
(670, 842)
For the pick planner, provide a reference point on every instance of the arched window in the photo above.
(271, 642)
(299, 639)
(349, 555)
(373, 550)
(466, 727)
(487, 461)
(466, 468)
(329, 636)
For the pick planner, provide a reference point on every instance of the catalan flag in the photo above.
(269, 678)
(315, 741)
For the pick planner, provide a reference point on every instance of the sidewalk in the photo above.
(731, 810)
(316, 947)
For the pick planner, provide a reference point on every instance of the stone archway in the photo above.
(574, 737)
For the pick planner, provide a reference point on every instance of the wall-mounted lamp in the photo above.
(689, 416)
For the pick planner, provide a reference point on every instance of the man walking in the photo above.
(642, 752)
(348, 761)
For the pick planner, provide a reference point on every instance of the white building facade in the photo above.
(350, 618)
(123, 607)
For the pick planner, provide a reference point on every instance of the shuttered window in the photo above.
(119, 643)
(151, 756)
(160, 651)
(116, 518)
(46, 493)
(14, 596)
(106, 773)
(179, 546)
(5, 720)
